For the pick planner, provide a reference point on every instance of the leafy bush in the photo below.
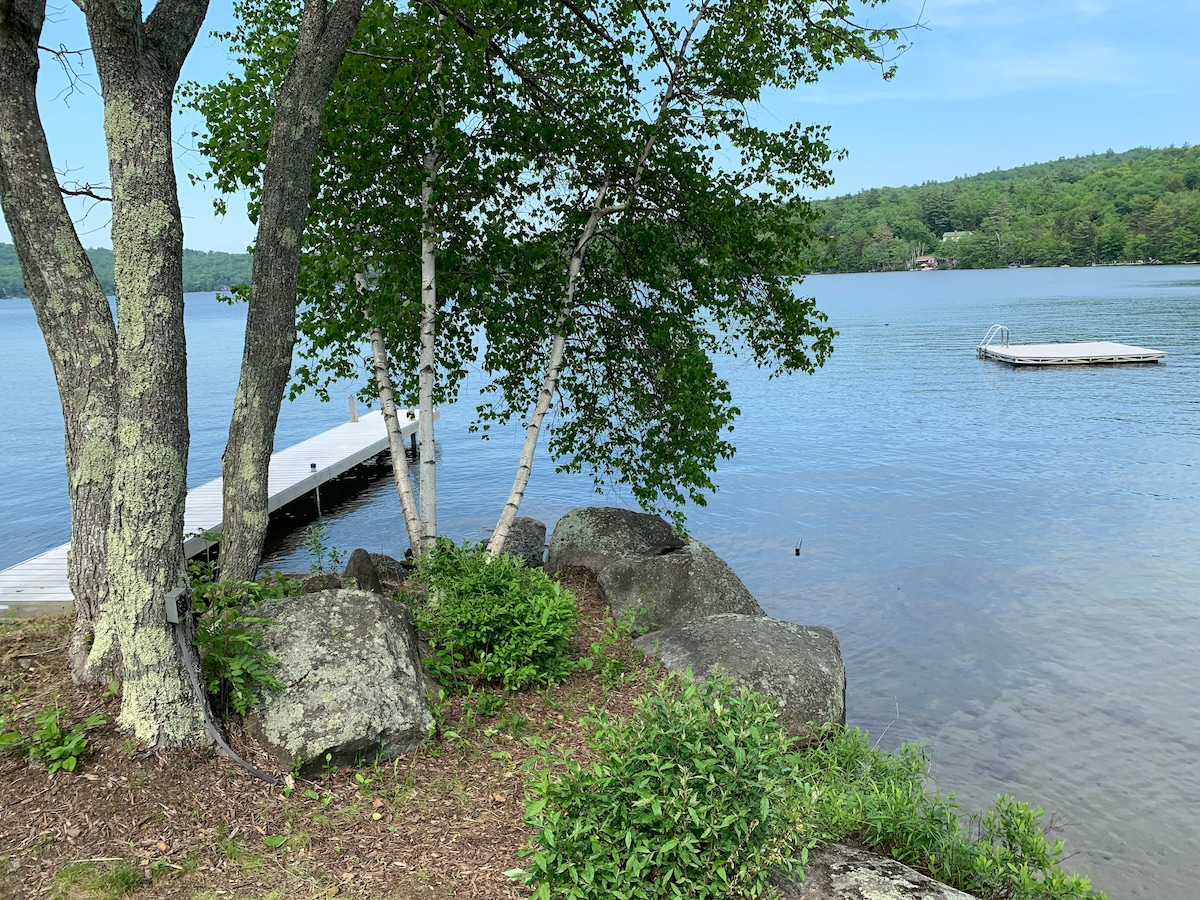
(881, 799)
(54, 745)
(235, 666)
(491, 617)
(324, 559)
(1012, 858)
(692, 796)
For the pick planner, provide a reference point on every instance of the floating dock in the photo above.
(294, 472)
(995, 346)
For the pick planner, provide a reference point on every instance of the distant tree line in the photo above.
(202, 271)
(1139, 206)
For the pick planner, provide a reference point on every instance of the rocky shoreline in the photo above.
(686, 606)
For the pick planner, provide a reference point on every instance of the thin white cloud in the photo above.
(994, 72)
(1079, 63)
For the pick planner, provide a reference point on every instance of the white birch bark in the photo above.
(426, 364)
(558, 343)
(427, 369)
(549, 381)
(387, 400)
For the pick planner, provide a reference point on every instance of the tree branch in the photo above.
(527, 78)
(171, 28)
(72, 68)
(84, 190)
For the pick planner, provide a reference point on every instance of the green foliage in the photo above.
(10, 738)
(1013, 858)
(861, 793)
(1106, 208)
(517, 139)
(692, 796)
(490, 617)
(234, 665)
(323, 558)
(51, 743)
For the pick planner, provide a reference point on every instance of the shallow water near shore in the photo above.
(1008, 556)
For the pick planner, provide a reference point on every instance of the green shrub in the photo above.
(58, 747)
(611, 659)
(691, 796)
(877, 798)
(490, 617)
(1012, 858)
(234, 665)
(324, 559)
(858, 792)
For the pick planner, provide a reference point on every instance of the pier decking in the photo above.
(294, 472)
(995, 346)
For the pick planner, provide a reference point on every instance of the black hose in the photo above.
(187, 653)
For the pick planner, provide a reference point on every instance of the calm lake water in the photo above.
(1008, 556)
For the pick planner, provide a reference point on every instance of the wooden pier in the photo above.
(995, 346)
(294, 472)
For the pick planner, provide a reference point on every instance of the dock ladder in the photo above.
(997, 334)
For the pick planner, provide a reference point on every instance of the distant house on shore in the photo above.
(955, 236)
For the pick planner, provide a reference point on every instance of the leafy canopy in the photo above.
(506, 127)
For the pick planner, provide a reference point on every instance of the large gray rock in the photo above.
(353, 685)
(361, 569)
(592, 537)
(839, 872)
(658, 591)
(799, 666)
(322, 581)
(526, 540)
(391, 571)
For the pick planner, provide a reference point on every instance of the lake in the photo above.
(1008, 556)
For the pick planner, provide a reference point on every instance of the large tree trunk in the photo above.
(138, 64)
(271, 318)
(74, 317)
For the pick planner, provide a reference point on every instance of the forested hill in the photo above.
(1141, 205)
(201, 271)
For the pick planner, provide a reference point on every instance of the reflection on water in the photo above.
(1008, 556)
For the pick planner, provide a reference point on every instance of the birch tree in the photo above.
(413, 170)
(643, 222)
(704, 231)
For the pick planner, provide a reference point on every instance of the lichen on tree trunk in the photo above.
(74, 317)
(271, 318)
(138, 64)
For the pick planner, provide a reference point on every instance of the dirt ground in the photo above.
(445, 821)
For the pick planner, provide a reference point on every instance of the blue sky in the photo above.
(986, 84)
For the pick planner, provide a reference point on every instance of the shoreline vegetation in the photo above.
(203, 271)
(504, 774)
(1140, 206)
